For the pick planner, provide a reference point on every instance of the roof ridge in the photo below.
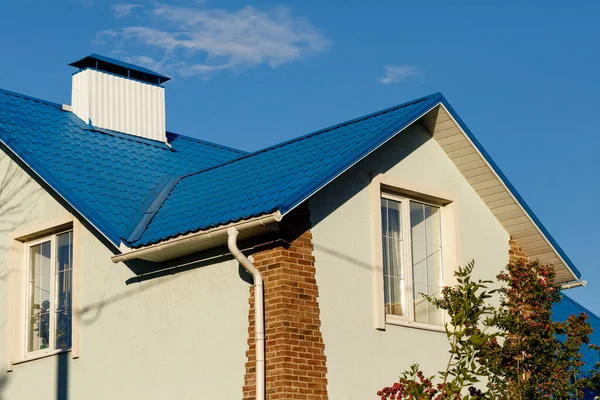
(315, 133)
(348, 122)
(27, 97)
(84, 126)
(206, 142)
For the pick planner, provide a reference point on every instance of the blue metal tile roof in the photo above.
(567, 307)
(276, 178)
(108, 177)
(194, 185)
(281, 176)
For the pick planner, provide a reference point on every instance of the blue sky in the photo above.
(524, 77)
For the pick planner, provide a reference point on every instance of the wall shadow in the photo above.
(343, 256)
(147, 275)
(146, 270)
(13, 213)
(3, 384)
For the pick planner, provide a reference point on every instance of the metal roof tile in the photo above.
(260, 182)
(105, 176)
(566, 307)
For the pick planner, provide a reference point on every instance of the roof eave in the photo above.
(98, 225)
(198, 241)
(511, 189)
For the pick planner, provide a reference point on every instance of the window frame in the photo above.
(407, 261)
(51, 350)
(17, 287)
(449, 203)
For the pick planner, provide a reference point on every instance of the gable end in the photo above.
(496, 191)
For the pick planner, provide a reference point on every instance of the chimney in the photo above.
(122, 97)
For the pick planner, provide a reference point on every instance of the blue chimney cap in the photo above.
(107, 64)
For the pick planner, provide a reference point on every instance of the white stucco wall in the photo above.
(360, 358)
(182, 336)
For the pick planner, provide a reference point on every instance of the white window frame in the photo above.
(28, 355)
(383, 186)
(18, 287)
(407, 262)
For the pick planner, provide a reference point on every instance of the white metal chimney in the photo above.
(122, 97)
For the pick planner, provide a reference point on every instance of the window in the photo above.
(412, 258)
(49, 293)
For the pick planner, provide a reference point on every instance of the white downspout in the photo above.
(259, 310)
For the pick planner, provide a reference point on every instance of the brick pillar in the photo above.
(515, 252)
(295, 359)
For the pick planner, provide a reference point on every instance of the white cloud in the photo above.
(144, 61)
(88, 3)
(192, 40)
(124, 9)
(397, 73)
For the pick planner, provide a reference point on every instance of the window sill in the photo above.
(37, 356)
(394, 320)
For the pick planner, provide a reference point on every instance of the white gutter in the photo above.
(572, 285)
(259, 311)
(194, 238)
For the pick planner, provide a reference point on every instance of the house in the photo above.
(133, 259)
(562, 311)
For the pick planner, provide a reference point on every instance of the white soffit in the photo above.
(494, 192)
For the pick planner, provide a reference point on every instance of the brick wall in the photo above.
(295, 359)
(515, 252)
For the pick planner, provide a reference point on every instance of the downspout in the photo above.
(259, 310)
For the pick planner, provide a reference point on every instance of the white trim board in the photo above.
(493, 191)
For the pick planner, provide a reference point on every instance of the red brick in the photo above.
(295, 359)
(515, 252)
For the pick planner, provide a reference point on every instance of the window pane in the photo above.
(420, 303)
(394, 219)
(39, 297)
(392, 257)
(64, 279)
(426, 250)
(434, 265)
(433, 225)
(436, 316)
(419, 259)
(417, 222)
